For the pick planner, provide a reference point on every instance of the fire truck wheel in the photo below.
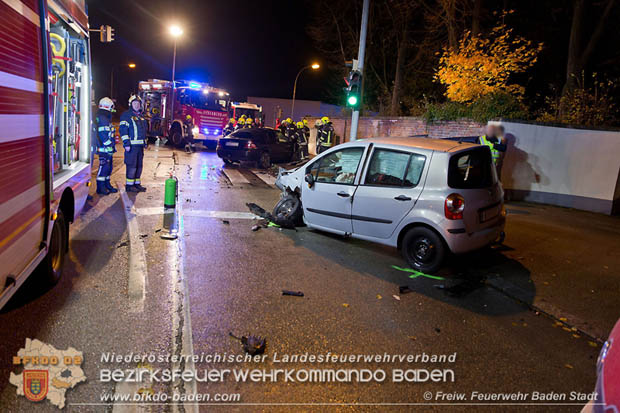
(53, 262)
(176, 136)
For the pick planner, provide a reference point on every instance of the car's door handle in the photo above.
(344, 194)
(402, 198)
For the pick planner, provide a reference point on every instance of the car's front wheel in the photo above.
(288, 211)
(423, 249)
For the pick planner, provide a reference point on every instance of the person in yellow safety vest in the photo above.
(230, 127)
(494, 139)
(326, 137)
(249, 123)
(240, 124)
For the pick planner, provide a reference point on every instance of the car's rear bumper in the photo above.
(460, 241)
(238, 155)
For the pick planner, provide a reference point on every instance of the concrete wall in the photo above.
(576, 168)
(272, 107)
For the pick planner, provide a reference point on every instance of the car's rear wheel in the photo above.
(50, 268)
(288, 211)
(265, 161)
(423, 249)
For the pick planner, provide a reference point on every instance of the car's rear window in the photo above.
(471, 169)
(257, 136)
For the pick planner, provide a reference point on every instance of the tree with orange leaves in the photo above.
(481, 65)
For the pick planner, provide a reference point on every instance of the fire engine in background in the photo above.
(250, 110)
(200, 111)
(45, 130)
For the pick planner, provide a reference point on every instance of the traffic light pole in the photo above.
(360, 58)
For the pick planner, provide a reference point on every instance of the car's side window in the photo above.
(394, 168)
(338, 167)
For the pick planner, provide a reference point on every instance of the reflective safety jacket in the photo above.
(326, 135)
(300, 137)
(133, 129)
(105, 133)
(496, 147)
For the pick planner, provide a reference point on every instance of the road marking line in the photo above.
(182, 343)
(199, 213)
(265, 177)
(137, 255)
(235, 176)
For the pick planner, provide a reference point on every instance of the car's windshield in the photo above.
(200, 100)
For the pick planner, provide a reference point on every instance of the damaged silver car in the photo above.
(426, 197)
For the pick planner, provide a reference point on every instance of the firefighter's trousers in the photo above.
(133, 164)
(105, 167)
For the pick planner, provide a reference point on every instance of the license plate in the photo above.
(489, 213)
(232, 143)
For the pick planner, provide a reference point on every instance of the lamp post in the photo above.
(130, 66)
(313, 66)
(176, 32)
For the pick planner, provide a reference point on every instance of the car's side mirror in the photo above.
(309, 179)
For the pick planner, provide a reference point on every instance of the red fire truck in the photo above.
(206, 106)
(45, 128)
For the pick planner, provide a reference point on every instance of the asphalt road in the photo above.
(498, 312)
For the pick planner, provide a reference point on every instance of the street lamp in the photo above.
(175, 32)
(313, 66)
(130, 65)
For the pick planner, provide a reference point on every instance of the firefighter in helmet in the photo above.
(133, 134)
(291, 129)
(302, 141)
(318, 125)
(249, 123)
(326, 137)
(240, 123)
(105, 146)
(230, 127)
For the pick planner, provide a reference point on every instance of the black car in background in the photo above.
(260, 145)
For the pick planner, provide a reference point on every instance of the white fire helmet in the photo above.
(106, 104)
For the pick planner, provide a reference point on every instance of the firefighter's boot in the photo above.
(131, 188)
(140, 188)
(102, 189)
(110, 187)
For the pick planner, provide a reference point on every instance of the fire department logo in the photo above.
(35, 384)
(48, 373)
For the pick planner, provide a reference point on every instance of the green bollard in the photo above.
(170, 194)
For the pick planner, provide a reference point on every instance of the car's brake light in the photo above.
(251, 145)
(454, 206)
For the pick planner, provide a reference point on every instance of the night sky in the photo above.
(250, 48)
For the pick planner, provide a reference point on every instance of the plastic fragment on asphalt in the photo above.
(293, 293)
(416, 273)
(252, 345)
(225, 222)
(592, 344)
(379, 296)
(123, 244)
(345, 305)
(438, 330)
(576, 336)
(414, 338)
(396, 297)
(568, 366)
(255, 227)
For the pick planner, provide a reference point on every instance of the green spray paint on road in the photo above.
(416, 273)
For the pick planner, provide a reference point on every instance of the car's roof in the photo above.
(440, 145)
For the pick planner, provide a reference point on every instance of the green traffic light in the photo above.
(352, 100)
